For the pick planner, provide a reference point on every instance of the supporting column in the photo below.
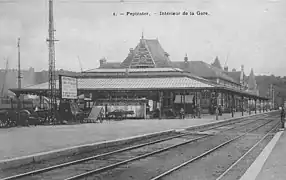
(255, 106)
(199, 104)
(260, 105)
(221, 99)
(18, 109)
(232, 105)
(172, 100)
(185, 102)
(216, 109)
(196, 98)
(242, 107)
(161, 104)
(249, 103)
(145, 108)
(196, 104)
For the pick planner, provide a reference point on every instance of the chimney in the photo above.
(186, 58)
(225, 68)
(242, 68)
(102, 61)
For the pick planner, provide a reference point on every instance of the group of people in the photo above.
(196, 112)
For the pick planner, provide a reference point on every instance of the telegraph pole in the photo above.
(19, 80)
(19, 65)
(52, 64)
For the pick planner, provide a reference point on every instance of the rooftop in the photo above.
(130, 84)
(202, 69)
(122, 70)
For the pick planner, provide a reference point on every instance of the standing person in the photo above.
(194, 113)
(283, 117)
(219, 110)
(182, 113)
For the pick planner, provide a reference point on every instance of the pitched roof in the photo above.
(252, 85)
(216, 63)
(131, 83)
(142, 83)
(122, 70)
(110, 65)
(153, 51)
(202, 69)
(235, 75)
(159, 55)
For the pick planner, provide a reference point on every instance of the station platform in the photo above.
(271, 163)
(24, 141)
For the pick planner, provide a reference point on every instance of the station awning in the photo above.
(128, 84)
(118, 84)
(141, 83)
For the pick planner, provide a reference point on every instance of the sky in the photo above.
(248, 32)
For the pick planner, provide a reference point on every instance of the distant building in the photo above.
(149, 54)
(148, 74)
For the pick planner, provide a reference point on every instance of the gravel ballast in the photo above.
(152, 166)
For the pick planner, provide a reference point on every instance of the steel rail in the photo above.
(139, 157)
(43, 170)
(106, 154)
(205, 153)
(246, 153)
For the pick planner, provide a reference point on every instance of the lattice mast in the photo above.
(52, 63)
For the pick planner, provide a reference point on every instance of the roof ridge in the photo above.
(133, 55)
(147, 47)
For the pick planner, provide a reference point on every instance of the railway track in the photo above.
(223, 175)
(167, 173)
(100, 163)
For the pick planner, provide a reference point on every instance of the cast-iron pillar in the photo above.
(216, 109)
(249, 107)
(185, 102)
(232, 105)
(172, 100)
(18, 108)
(260, 105)
(160, 103)
(242, 108)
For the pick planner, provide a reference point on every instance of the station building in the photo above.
(148, 79)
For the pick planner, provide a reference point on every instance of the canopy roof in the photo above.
(141, 83)
(129, 84)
